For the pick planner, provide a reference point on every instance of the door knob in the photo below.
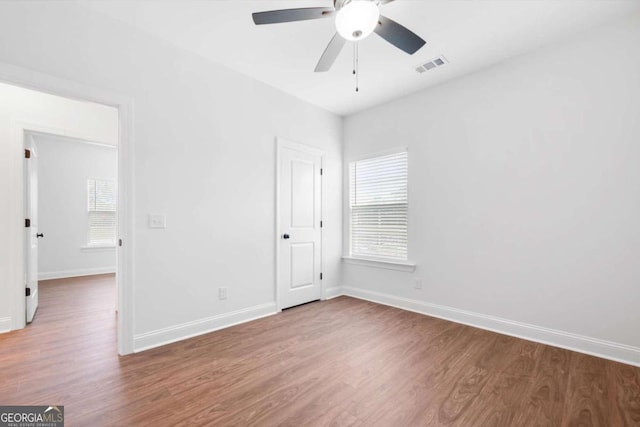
(285, 236)
(39, 235)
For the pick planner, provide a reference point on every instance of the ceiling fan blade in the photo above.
(291, 15)
(330, 53)
(399, 36)
(381, 2)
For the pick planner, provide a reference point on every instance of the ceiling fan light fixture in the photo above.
(357, 19)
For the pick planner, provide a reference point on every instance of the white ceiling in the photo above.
(470, 34)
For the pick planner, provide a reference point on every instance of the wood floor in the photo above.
(340, 362)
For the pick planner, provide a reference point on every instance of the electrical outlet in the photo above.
(417, 283)
(222, 293)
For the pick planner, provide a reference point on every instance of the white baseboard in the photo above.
(75, 273)
(583, 344)
(171, 334)
(332, 292)
(5, 324)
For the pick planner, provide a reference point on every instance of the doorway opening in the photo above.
(71, 208)
(36, 107)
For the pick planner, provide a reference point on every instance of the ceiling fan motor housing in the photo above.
(356, 19)
(337, 4)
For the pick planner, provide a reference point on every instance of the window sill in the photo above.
(408, 267)
(98, 247)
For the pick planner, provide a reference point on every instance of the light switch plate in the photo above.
(157, 221)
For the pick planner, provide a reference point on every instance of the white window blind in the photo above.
(101, 203)
(379, 207)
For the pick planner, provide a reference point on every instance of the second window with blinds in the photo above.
(101, 204)
(379, 209)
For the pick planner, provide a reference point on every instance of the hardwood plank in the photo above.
(343, 362)
(543, 403)
(587, 395)
(624, 387)
(474, 376)
(499, 402)
(435, 363)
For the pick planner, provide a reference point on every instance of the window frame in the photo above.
(101, 244)
(380, 262)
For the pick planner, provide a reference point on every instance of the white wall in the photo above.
(204, 155)
(524, 193)
(26, 108)
(64, 166)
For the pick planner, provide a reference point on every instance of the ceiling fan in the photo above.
(355, 20)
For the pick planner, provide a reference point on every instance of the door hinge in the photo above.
(28, 292)
(27, 222)
(320, 224)
(321, 171)
(119, 242)
(27, 153)
(320, 276)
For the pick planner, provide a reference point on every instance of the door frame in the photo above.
(282, 143)
(30, 79)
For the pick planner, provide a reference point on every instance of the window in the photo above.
(379, 207)
(101, 202)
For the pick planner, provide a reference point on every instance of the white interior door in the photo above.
(300, 239)
(31, 231)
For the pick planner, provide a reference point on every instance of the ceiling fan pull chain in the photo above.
(357, 68)
(354, 58)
